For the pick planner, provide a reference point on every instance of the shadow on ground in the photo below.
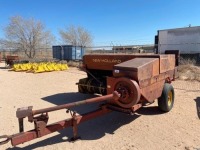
(92, 129)
(197, 100)
(6, 68)
(150, 110)
(64, 98)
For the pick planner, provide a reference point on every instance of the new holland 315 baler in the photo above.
(123, 82)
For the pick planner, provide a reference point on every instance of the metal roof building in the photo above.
(186, 40)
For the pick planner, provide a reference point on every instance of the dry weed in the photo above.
(188, 61)
(74, 64)
(189, 72)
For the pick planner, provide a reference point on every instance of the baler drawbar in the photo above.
(40, 122)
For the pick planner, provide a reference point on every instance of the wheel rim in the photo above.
(170, 98)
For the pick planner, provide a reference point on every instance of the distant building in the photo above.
(134, 49)
(186, 40)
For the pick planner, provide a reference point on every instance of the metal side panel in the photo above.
(107, 61)
(167, 62)
(137, 68)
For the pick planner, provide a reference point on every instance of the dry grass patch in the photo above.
(74, 64)
(188, 71)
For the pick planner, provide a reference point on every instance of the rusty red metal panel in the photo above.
(153, 91)
(167, 62)
(162, 76)
(107, 61)
(156, 66)
(23, 137)
(176, 53)
(137, 68)
(104, 62)
(150, 88)
(110, 84)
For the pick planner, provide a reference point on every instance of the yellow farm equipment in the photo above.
(40, 67)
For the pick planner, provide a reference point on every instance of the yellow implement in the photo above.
(40, 67)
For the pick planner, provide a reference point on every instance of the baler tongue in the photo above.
(40, 118)
(4, 139)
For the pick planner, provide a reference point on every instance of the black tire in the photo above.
(166, 101)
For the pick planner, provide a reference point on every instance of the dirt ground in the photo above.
(148, 129)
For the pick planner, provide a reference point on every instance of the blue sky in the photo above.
(121, 22)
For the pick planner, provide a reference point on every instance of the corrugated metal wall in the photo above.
(187, 40)
(68, 52)
(56, 52)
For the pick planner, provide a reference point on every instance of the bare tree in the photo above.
(77, 36)
(26, 35)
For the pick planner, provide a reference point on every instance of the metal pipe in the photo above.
(114, 96)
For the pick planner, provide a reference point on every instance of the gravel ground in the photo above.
(147, 129)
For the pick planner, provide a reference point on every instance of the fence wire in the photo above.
(47, 53)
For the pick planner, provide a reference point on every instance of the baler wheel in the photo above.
(166, 101)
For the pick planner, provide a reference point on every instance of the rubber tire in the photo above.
(163, 100)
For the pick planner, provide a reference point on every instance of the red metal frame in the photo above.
(40, 119)
(42, 129)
